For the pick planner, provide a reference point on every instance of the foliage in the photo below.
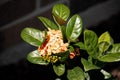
(100, 49)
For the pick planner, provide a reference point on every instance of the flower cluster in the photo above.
(53, 44)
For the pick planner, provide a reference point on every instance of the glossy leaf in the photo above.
(106, 74)
(63, 29)
(80, 45)
(115, 49)
(105, 37)
(60, 13)
(91, 41)
(33, 36)
(48, 23)
(75, 74)
(103, 46)
(112, 55)
(74, 28)
(104, 41)
(59, 69)
(35, 58)
(87, 65)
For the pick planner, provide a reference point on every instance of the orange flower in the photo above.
(72, 55)
(76, 52)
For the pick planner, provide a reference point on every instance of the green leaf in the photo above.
(112, 55)
(59, 69)
(33, 36)
(115, 49)
(103, 46)
(87, 76)
(71, 48)
(63, 56)
(106, 74)
(80, 45)
(104, 41)
(74, 28)
(105, 37)
(35, 58)
(87, 65)
(91, 41)
(90, 59)
(75, 74)
(48, 23)
(63, 29)
(60, 13)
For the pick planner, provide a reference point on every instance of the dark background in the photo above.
(97, 15)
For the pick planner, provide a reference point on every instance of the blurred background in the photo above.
(97, 15)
